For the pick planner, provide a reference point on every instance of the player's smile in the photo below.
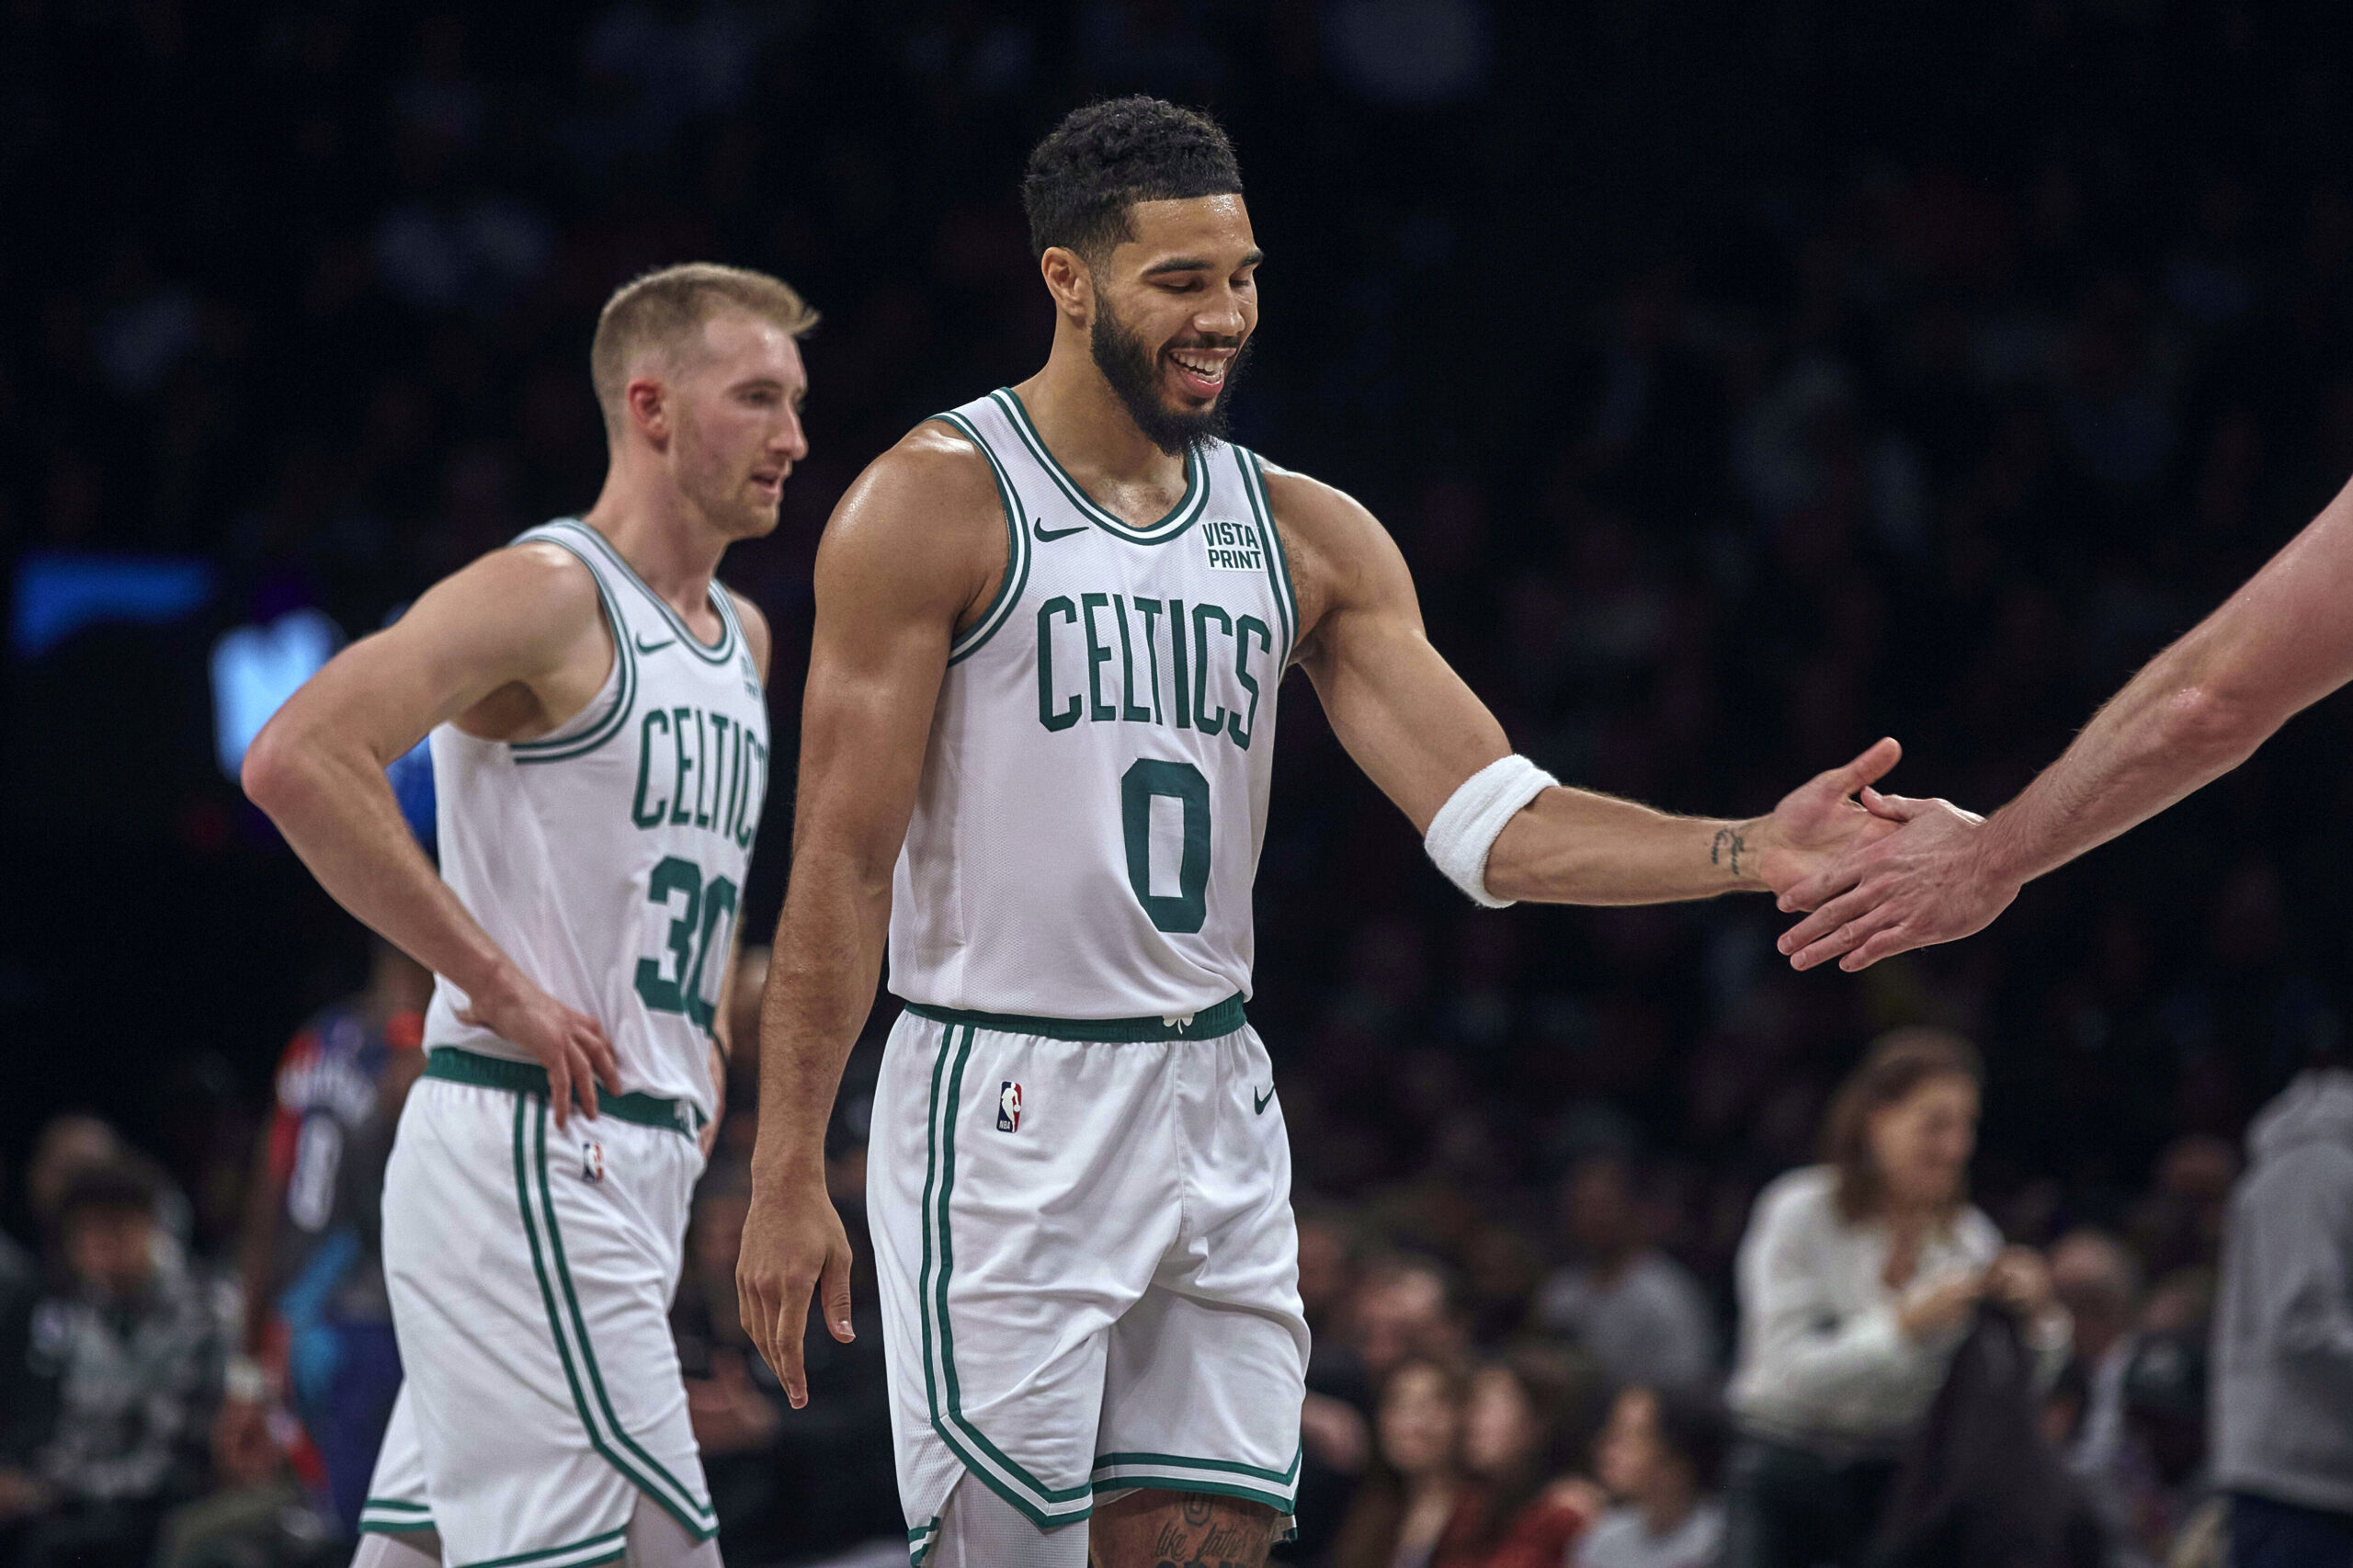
(1198, 371)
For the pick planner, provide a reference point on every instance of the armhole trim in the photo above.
(558, 748)
(1017, 552)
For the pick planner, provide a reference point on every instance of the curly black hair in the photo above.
(1106, 157)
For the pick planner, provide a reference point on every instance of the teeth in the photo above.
(1209, 370)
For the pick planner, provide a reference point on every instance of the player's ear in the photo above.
(648, 403)
(1068, 280)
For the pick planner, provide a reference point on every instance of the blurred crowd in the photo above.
(1741, 382)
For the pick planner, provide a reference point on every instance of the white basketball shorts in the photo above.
(531, 1272)
(1087, 1261)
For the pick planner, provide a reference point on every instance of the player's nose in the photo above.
(790, 440)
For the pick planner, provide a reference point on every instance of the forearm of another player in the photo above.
(1574, 847)
(826, 962)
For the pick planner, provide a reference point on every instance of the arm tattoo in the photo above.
(1727, 849)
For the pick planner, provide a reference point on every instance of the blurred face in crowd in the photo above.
(733, 404)
(112, 1249)
(1499, 1426)
(1397, 1315)
(1632, 1460)
(1597, 1209)
(1921, 1144)
(67, 1145)
(2092, 1278)
(1174, 311)
(1324, 1271)
(1419, 1422)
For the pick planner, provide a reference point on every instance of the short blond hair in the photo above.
(663, 308)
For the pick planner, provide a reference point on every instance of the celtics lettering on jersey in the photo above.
(1087, 825)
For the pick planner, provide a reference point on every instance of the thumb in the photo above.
(1895, 808)
(1871, 767)
(835, 1288)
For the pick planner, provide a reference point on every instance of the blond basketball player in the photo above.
(1052, 626)
(600, 744)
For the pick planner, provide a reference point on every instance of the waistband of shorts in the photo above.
(1224, 1018)
(461, 1066)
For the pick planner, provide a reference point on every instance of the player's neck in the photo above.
(1086, 426)
(664, 543)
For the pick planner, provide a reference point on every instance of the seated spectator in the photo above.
(1658, 1457)
(2097, 1279)
(1857, 1278)
(1523, 1427)
(132, 1352)
(1414, 1477)
(1407, 1306)
(1637, 1311)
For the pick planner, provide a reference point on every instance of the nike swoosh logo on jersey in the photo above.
(1258, 1102)
(645, 647)
(1044, 535)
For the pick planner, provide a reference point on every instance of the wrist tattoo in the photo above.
(1726, 851)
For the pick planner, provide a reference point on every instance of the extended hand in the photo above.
(1924, 882)
(569, 1043)
(794, 1241)
(1819, 819)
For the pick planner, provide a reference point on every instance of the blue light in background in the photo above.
(59, 592)
(256, 669)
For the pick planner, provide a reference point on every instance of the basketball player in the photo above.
(2197, 711)
(1050, 631)
(600, 754)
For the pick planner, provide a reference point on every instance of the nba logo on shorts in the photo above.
(1008, 1108)
(592, 1160)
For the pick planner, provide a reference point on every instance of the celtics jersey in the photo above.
(607, 859)
(1094, 794)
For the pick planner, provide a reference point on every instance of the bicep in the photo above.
(1404, 716)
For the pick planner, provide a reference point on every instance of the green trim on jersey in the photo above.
(1182, 516)
(616, 718)
(458, 1065)
(407, 1518)
(609, 1547)
(1210, 1023)
(693, 1513)
(1016, 550)
(1253, 484)
(717, 653)
(1182, 1472)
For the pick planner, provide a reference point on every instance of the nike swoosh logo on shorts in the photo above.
(645, 647)
(1259, 1103)
(1044, 535)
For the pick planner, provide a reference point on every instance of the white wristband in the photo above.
(1467, 826)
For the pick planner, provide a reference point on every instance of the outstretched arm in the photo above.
(2197, 711)
(491, 638)
(897, 567)
(1419, 732)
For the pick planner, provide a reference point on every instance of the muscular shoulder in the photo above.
(1340, 556)
(926, 516)
(531, 599)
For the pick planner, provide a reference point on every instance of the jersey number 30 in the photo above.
(693, 932)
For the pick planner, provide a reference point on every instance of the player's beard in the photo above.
(1133, 371)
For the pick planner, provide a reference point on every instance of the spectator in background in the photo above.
(317, 1325)
(1857, 1278)
(1660, 1458)
(1637, 1312)
(2097, 1279)
(1524, 1427)
(132, 1351)
(2283, 1341)
(1414, 1478)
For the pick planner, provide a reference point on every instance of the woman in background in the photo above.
(1857, 1278)
(1414, 1478)
(1523, 1432)
(1658, 1457)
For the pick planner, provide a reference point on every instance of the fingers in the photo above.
(560, 1088)
(834, 1291)
(1869, 767)
(583, 1072)
(785, 1328)
(604, 1062)
(1897, 938)
(1851, 934)
(1825, 920)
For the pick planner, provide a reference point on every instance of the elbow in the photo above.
(271, 772)
(2214, 727)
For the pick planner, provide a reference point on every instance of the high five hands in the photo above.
(1927, 880)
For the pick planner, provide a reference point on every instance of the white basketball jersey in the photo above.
(607, 859)
(1094, 794)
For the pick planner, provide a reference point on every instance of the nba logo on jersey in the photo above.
(592, 1160)
(1008, 1108)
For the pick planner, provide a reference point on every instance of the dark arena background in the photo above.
(1741, 381)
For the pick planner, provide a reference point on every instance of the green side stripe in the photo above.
(596, 1374)
(1016, 550)
(1183, 516)
(710, 653)
(1024, 1491)
(1281, 1477)
(556, 1321)
(616, 718)
(1279, 1502)
(385, 1527)
(609, 1538)
(396, 1503)
(1253, 485)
